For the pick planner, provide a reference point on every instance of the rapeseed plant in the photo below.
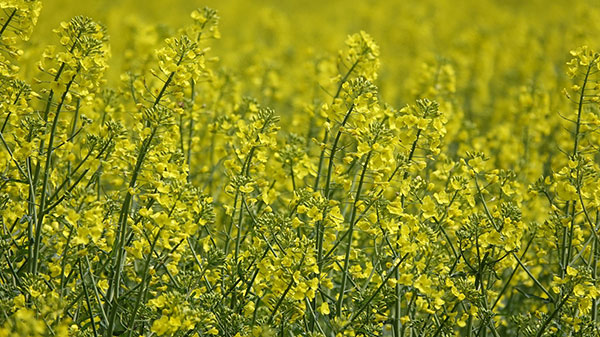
(176, 182)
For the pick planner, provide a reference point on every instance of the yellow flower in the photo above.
(324, 308)
(395, 207)
(315, 214)
(428, 207)
(566, 191)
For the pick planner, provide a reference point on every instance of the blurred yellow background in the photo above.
(518, 35)
(407, 31)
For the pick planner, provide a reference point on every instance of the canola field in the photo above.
(299, 168)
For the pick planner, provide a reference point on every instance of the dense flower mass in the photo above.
(319, 169)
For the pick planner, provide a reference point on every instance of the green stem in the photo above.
(334, 149)
(350, 232)
(551, 317)
(507, 283)
(113, 290)
(289, 287)
(580, 106)
(326, 136)
(383, 283)
(318, 229)
(398, 305)
(321, 159)
(566, 248)
(8, 20)
(46, 175)
(10, 111)
(87, 300)
(95, 288)
(491, 219)
(119, 244)
(144, 289)
(63, 264)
